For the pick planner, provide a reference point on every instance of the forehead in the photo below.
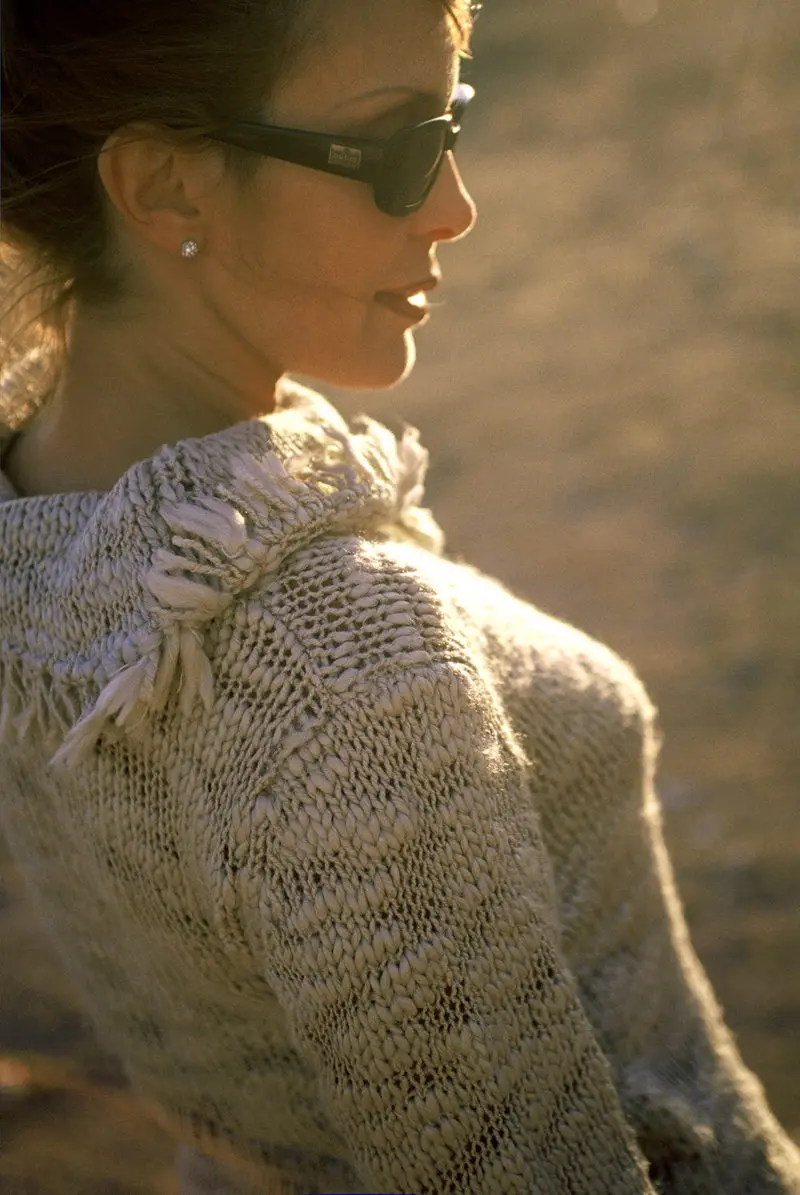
(359, 46)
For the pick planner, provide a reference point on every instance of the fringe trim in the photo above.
(45, 709)
(406, 462)
(215, 555)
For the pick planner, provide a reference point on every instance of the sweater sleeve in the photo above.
(700, 1116)
(404, 917)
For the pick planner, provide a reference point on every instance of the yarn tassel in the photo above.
(196, 673)
(23, 722)
(214, 555)
(183, 598)
(210, 519)
(11, 704)
(117, 702)
(175, 650)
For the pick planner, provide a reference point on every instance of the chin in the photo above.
(370, 371)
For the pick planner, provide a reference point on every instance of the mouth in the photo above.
(412, 309)
(411, 301)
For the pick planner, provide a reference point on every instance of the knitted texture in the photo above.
(355, 857)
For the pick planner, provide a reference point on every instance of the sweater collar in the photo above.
(358, 473)
(115, 587)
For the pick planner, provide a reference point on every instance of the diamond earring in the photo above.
(190, 249)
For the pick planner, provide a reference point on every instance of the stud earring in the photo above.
(190, 249)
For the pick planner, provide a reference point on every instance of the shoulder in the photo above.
(532, 653)
(356, 608)
(584, 716)
(370, 626)
(357, 611)
(571, 696)
(582, 704)
(580, 670)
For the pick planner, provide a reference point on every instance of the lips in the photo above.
(400, 305)
(414, 288)
(408, 301)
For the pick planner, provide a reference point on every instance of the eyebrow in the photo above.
(412, 96)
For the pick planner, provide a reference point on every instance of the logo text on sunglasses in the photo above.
(344, 155)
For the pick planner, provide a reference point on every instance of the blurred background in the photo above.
(609, 392)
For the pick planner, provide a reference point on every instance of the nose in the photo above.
(449, 211)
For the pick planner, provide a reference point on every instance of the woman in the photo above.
(355, 857)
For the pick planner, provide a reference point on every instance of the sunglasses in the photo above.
(402, 168)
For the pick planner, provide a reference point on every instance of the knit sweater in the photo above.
(354, 856)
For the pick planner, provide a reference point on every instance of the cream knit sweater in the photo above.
(354, 856)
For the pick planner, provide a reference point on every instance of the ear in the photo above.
(160, 192)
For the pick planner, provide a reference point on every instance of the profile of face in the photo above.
(299, 260)
(290, 264)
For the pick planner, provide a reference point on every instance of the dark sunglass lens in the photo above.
(411, 168)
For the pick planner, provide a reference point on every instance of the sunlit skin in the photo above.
(288, 269)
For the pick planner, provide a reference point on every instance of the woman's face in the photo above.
(295, 261)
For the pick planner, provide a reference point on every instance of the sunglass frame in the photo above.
(363, 159)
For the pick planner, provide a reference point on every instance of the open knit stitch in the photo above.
(355, 857)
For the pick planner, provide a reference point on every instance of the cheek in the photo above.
(319, 240)
(304, 261)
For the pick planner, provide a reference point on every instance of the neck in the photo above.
(121, 397)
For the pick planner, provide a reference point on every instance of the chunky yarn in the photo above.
(355, 857)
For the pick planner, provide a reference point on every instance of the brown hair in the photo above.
(72, 74)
